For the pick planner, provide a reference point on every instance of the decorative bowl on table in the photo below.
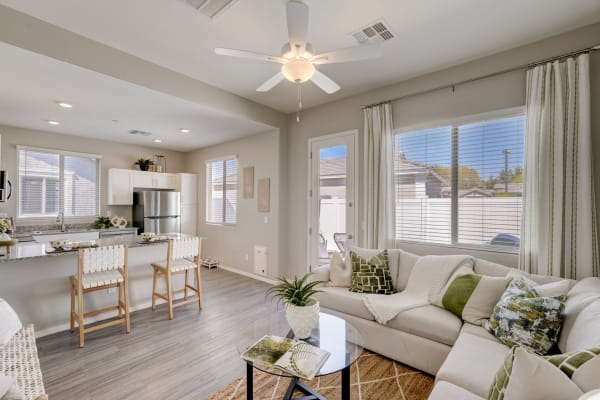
(59, 244)
(148, 236)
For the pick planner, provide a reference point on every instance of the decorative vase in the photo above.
(145, 167)
(4, 236)
(302, 319)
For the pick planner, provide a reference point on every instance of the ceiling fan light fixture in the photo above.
(298, 71)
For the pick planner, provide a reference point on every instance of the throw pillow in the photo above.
(523, 318)
(581, 295)
(11, 324)
(392, 255)
(371, 275)
(8, 389)
(548, 289)
(472, 297)
(526, 376)
(583, 367)
(339, 273)
(585, 332)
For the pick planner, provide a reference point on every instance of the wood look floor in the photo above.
(190, 357)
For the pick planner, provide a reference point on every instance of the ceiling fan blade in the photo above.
(324, 82)
(363, 52)
(297, 24)
(270, 83)
(249, 54)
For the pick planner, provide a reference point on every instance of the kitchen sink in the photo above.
(71, 236)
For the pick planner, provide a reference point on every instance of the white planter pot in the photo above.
(302, 319)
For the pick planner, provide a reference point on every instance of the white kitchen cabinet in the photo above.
(120, 187)
(189, 218)
(154, 180)
(187, 185)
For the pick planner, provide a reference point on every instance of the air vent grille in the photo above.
(211, 8)
(376, 32)
(138, 132)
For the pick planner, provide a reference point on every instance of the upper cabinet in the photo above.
(120, 187)
(121, 183)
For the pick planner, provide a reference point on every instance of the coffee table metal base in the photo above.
(295, 384)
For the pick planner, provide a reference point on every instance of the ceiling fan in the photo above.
(297, 58)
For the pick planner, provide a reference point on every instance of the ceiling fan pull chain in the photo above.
(299, 96)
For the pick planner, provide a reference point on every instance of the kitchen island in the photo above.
(35, 281)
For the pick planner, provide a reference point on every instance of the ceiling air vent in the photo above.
(136, 132)
(376, 32)
(211, 8)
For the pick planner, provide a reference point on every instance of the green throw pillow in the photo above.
(577, 366)
(523, 318)
(371, 276)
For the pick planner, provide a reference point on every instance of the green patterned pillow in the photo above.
(523, 318)
(583, 367)
(371, 276)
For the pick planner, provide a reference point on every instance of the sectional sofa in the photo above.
(463, 357)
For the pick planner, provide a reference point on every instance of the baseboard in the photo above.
(248, 274)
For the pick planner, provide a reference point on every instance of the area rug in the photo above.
(372, 377)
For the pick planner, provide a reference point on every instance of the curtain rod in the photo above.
(506, 71)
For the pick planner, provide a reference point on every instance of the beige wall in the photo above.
(114, 155)
(231, 244)
(486, 95)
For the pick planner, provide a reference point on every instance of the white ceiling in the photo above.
(31, 84)
(433, 34)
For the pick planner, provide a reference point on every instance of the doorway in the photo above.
(331, 195)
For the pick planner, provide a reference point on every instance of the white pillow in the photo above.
(584, 293)
(339, 273)
(11, 324)
(526, 376)
(585, 332)
(9, 390)
(551, 289)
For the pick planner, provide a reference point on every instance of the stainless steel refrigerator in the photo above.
(157, 211)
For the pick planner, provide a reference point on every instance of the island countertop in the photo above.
(30, 250)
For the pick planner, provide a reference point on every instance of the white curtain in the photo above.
(559, 214)
(379, 200)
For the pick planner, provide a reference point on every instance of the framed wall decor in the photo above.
(248, 184)
(264, 195)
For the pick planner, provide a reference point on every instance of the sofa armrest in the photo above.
(320, 274)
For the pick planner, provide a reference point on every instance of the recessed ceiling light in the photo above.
(184, 130)
(157, 141)
(51, 122)
(64, 104)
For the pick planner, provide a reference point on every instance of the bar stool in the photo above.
(183, 256)
(97, 269)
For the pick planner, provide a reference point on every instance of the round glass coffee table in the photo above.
(337, 336)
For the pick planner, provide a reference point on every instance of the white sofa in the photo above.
(463, 357)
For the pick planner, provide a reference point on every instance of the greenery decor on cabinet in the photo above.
(101, 223)
(301, 310)
(144, 163)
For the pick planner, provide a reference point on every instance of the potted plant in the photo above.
(301, 310)
(144, 163)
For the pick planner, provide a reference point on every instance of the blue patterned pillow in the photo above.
(523, 318)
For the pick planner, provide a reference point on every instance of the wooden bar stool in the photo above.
(97, 269)
(183, 257)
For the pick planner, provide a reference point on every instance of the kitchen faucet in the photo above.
(60, 219)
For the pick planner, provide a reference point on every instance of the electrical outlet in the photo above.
(246, 257)
(266, 219)
(108, 213)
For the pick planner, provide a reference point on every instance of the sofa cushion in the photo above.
(523, 318)
(371, 275)
(345, 301)
(406, 262)
(480, 331)
(393, 259)
(339, 273)
(544, 286)
(430, 322)
(584, 293)
(583, 367)
(526, 376)
(466, 367)
(447, 391)
(472, 297)
(485, 267)
(585, 332)
(11, 324)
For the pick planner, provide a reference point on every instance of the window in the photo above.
(461, 183)
(52, 181)
(221, 191)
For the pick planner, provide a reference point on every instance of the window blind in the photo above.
(221, 193)
(50, 182)
(461, 183)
